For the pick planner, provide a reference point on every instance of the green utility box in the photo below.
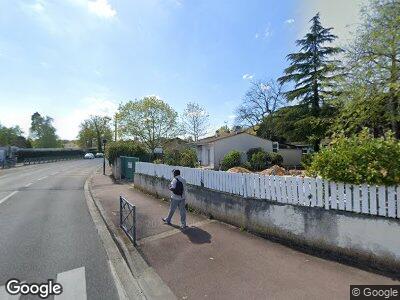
(128, 167)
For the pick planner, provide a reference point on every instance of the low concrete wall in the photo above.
(367, 239)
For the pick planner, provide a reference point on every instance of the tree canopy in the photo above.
(43, 132)
(195, 120)
(93, 130)
(12, 136)
(261, 100)
(149, 120)
(370, 93)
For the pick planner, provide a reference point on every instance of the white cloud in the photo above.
(267, 31)
(231, 117)
(68, 125)
(265, 34)
(342, 15)
(38, 6)
(101, 8)
(247, 76)
(289, 21)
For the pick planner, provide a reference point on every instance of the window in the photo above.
(275, 147)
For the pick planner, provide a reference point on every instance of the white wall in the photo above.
(240, 142)
(203, 156)
(291, 157)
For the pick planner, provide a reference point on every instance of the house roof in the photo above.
(214, 138)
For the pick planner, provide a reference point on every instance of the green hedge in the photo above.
(259, 160)
(359, 159)
(230, 160)
(126, 148)
(23, 154)
(186, 157)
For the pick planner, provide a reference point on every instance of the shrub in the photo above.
(157, 161)
(275, 159)
(359, 159)
(306, 160)
(126, 148)
(259, 160)
(188, 158)
(245, 165)
(172, 157)
(230, 160)
(252, 151)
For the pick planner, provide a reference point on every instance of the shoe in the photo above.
(184, 226)
(165, 221)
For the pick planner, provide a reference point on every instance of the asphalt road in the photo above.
(46, 231)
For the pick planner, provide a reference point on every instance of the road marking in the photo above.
(42, 178)
(29, 184)
(6, 296)
(73, 283)
(171, 232)
(7, 197)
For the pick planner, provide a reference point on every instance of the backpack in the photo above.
(178, 190)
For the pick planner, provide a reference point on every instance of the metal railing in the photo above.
(42, 160)
(127, 218)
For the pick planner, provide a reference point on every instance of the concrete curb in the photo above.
(143, 282)
(125, 283)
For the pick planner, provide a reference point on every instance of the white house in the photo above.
(211, 150)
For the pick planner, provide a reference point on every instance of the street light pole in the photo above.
(104, 156)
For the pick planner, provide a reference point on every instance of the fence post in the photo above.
(120, 210)
(134, 225)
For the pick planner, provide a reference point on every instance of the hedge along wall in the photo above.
(48, 152)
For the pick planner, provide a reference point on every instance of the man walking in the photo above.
(177, 188)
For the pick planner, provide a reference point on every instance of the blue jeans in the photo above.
(173, 205)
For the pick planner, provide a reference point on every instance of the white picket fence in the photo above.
(368, 199)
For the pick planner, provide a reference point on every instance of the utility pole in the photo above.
(115, 126)
(104, 155)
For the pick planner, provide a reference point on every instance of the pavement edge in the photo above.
(142, 282)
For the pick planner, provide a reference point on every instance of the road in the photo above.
(46, 231)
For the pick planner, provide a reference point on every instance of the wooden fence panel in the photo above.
(334, 201)
(373, 200)
(320, 195)
(398, 201)
(313, 192)
(278, 189)
(268, 194)
(367, 199)
(300, 190)
(364, 199)
(382, 200)
(341, 196)
(391, 201)
(349, 197)
(290, 189)
(262, 187)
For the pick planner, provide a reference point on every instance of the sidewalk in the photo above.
(213, 260)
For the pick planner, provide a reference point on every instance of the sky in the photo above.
(70, 59)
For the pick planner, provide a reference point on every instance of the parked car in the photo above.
(99, 154)
(89, 156)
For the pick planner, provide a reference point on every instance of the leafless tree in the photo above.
(195, 120)
(262, 99)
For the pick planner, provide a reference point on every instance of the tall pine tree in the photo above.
(313, 70)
